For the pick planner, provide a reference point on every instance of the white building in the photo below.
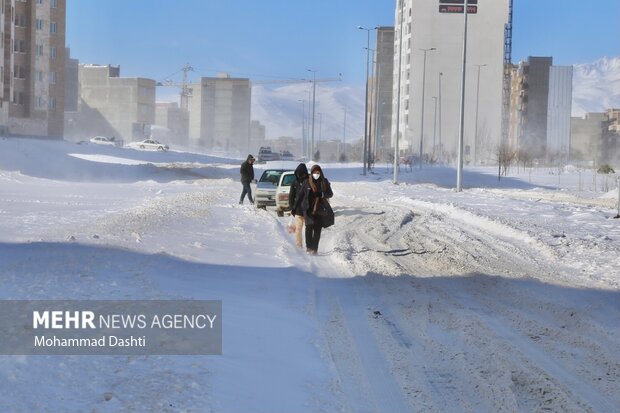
(424, 27)
(219, 114)
(559, 111)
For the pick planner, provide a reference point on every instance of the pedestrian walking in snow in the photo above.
(313, 199)
(247, 176)
(301, 176)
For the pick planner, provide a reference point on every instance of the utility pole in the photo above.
(371, 98)
(434, 126)
(313, 111)
(459, 170)
(377, 91)
(476, 123)
(422, 110)
(344, 134)
(439, 128)
(303, 125)
(400, 62)
(366, 138)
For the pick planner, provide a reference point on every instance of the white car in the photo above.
(266, 187)
(283, 191)
(102, 140)
(148, 144)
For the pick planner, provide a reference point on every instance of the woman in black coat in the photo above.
(301, 175)
(312, 199)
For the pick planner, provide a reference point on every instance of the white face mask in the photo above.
(316, 176)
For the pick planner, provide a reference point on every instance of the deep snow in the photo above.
(505, 297)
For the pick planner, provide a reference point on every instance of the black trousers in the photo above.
(247, 189)
(313, 236)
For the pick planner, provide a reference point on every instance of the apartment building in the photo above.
(6, 63)
(34, 63)
(174, 121)
(219, 114)
(111, 105)
(380, 104)
(432, 30)
(559, 105)
(71, 82)
(540, 113)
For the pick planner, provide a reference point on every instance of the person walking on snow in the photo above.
(247, 176)
(313, 201)
(301, 175)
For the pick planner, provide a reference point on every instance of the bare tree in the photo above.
(505, 156)
(525, 157)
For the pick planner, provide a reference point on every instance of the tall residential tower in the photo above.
(429, 24)
(34, 63)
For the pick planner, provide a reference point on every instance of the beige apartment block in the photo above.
(219, 114)
(33, 71)
(587, 137)
(111, 105)
(172, 123)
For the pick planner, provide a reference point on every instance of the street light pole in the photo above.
(400, 63)
(459, 170)
(365, 152)
(313, 109)
(344, 135)
(476, 123)
(439, 99)
(377, 91)
(422, 111)
(303, 125)
(434, 126)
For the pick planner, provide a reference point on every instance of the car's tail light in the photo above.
(283, 197)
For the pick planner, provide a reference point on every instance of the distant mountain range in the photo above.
(596, 86)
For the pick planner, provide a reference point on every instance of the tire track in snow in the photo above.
(375, 242)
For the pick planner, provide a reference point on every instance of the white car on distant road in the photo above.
(102, 140)
(148, 144)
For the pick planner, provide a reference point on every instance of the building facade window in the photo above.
(39, 50)
(53, 27)
(39, 75)
(53, 52)
(52, 103)
(39, 24)
(19, 46)
(40, 102)
(54, 4)
(52, 78)
(19, 72)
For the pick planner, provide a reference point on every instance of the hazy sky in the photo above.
(283, 38)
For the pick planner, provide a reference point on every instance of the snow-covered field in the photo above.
(505, 297)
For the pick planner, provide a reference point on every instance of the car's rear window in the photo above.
(288, 180)
(271, 176)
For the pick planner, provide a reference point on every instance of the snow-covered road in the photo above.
(421, 299)
(472, 316)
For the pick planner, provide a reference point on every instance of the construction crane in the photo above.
(184, 85)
